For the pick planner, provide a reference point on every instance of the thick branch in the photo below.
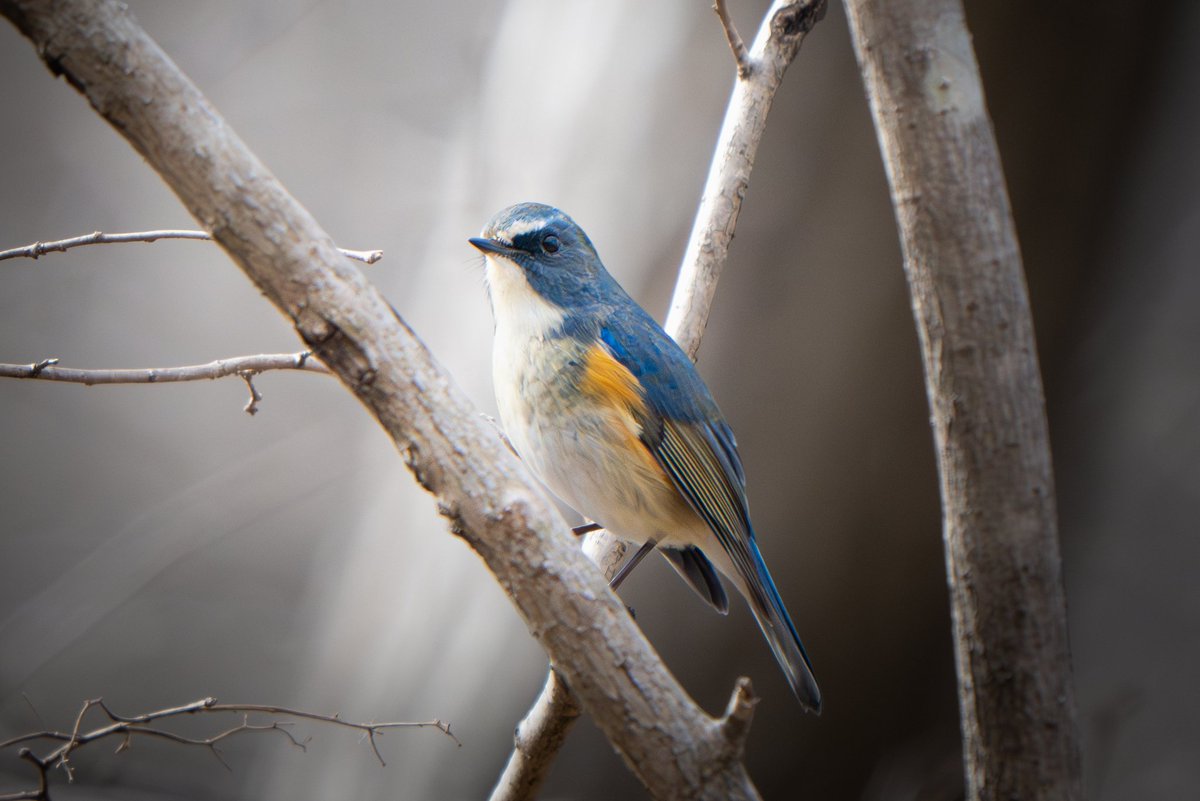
(675, 749)
(38, 249)
(985, 392)
(542, 732)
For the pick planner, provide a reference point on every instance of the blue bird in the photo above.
(611, 415)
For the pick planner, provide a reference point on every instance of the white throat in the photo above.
(521, 313)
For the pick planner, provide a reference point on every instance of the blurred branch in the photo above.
(488, 496)
(139, 725)
(541, 733)
(37, 249)
(736, 45)
(246, 367)
(963, 264)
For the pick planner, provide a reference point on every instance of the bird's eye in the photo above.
(550, 243)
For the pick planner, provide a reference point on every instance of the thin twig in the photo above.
(37, 249)
(48, 370)
(540, 735)
(43, 769)
(734, 38)
(128, 726)
(251, 407)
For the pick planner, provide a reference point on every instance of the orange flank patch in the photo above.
(610, 382)
(610, 385)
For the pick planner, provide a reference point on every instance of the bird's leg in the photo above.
(628, 567)
(586, 528)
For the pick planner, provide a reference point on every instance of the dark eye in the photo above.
(550, 243)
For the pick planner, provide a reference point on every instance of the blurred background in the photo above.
(158, 545)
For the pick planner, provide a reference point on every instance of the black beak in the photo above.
(491, 246)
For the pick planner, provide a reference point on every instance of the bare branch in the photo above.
(48, 370)
(245, 367)
(543, 730)
(127, 727)
(37, 249)
(43, 790)
(251, 407)
(775, 46)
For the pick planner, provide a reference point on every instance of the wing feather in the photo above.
(684, 430)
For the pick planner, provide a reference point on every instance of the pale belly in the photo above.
(586, 453)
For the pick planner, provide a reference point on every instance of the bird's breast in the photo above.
(570, 411)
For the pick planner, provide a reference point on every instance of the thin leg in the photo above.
(586, 528)
(628, 567)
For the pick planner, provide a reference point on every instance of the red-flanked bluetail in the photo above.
(611, 415)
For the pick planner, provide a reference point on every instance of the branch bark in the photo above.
(673, 747)
(541, 734)
(971, 306)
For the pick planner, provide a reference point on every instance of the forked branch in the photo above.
(127, 728)
(245, 367)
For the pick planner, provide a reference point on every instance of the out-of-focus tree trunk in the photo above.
(970, 302)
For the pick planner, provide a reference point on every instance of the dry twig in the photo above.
(736, 45)
(245, 367)
(126, 727)
(37, 249)
(48, 370)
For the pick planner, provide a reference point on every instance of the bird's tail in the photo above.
(777, 626)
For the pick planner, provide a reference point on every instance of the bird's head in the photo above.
(536, 253)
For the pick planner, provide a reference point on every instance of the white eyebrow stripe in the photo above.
(522, 227)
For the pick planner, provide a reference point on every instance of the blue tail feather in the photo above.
(781, 634)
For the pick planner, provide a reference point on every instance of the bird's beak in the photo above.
(492, 246)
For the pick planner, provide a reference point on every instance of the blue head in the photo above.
(553, 256)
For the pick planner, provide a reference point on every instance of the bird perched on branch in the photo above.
(611, 415)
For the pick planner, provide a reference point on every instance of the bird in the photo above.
(611, 415)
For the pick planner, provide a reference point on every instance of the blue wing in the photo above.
(684, 430)
(690, 439)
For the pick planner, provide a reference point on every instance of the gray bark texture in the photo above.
(971, 306)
